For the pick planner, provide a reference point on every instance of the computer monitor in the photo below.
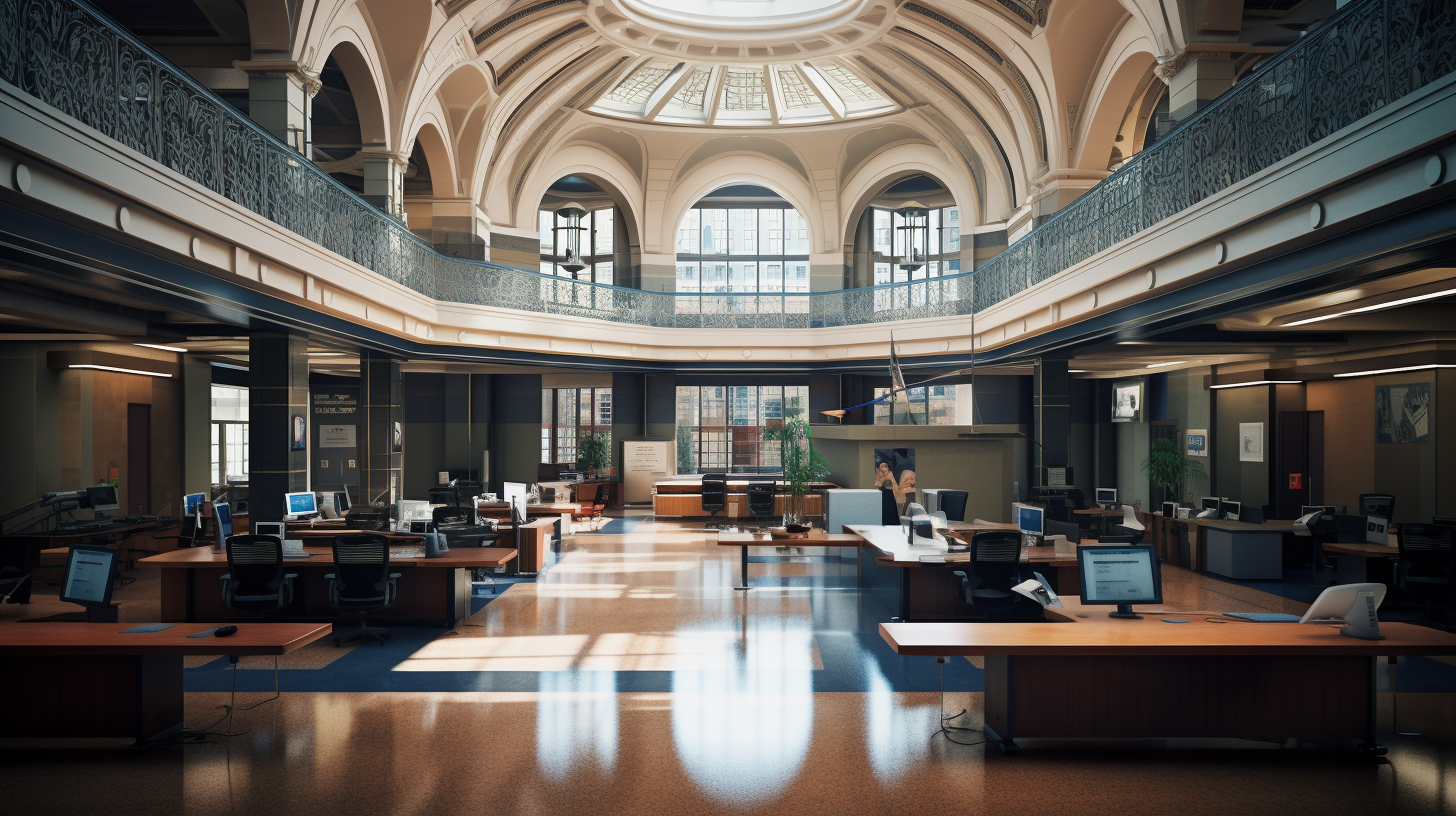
(269, 528)
(341, 501)
(1230, 509)
(1120, 575)
(192, 502)
(1209, 502)
(300, 504)
(103, 497)
(1106, 496)
(514, 494)
(1029, 519)
(1170, 509)
(90, 572)
(224, 515)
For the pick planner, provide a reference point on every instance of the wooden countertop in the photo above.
(1087, 630)
(695, 486)
(456, 558)
(766, 540)
(252, 638)
(1364, 549)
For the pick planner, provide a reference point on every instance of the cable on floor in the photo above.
(945, 728)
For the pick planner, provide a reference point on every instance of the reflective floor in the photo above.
(632, 678)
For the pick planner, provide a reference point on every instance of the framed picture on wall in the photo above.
(1127, 401)
(1402, 412)
(1197, 442)
(1251, 441)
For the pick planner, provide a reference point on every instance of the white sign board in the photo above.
(336, 436)
(644, 462)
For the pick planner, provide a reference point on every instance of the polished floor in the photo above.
(631, 678)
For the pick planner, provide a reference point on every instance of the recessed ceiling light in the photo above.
(121, 370)
(1377, 307)
(1172, 362)
(1393, 370)
(1258, 382)
(177, 349)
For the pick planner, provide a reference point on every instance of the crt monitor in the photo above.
(224, 514)
(103, 497)
(300, 504)
(1106, 495)
(1120, 575)
(90, 571)
(1231, 509)
(192, 502)
(1209, 502)
(1029, 519)
(1170, 509)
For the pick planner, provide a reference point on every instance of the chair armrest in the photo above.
(290, 576)
(228, 576)
(330, 576)
(396, 574)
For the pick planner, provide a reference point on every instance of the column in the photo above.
(1195, 81)
(381, 428)
(1052, 415)
(280, 95)
(384, 180)
(277, 394)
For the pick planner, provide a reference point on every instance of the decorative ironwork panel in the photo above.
(1215, 148)
(1165, 178)
(1422, 43)
(1347, 70)
(10, 33)
(1275, 112)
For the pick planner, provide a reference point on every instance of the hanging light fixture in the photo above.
(914, 237)
(569, 235)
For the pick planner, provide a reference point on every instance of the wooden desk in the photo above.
(746, 540)
(431, 591)
(690, 505)
(1148, 679)
(319, 535)
(89, 680)
(22, 549)
(1358, 562)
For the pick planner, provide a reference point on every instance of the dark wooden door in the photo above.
(138, 459)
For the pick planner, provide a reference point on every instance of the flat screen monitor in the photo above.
(1028, 519)
(1170, 509)
(103, 497)
(1231, 509)
(90, 571)
(341, 501)
(514, 494)
(192, 502)
(1209, 502)
(224, 515)
(300, 504)
(1120, 575)
(1107, 495)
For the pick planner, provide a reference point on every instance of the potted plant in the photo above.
(802, 465)
(593, 452)
(1167, 469)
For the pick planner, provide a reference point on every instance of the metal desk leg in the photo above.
(743, 570)
(1370, 748)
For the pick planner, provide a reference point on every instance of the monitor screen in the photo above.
(1119, 575)
(192, 502)
(224, 515)
(1231, 509)
(1028, 519)
(514, 494)
(341, 501)
(89, 574)
(300, 503)
(1209, 503)
(1170, 509)
(269, 528)
(103, 497)
(1107, 495)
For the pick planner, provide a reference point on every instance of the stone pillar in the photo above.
(1052, 415)
(280, 95)
(381, 428)
(277, 392)
(1195, 81)
(384, 180)
(657, 273)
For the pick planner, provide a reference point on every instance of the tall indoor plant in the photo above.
(802, 465)
(593, 452)
(1169, 470)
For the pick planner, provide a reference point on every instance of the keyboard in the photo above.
(1263, 617)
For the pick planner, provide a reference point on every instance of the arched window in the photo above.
(886, 243)
(743, 249)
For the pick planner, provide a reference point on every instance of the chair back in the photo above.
(1427, 549)
(953, 502)
(761, 498)
(587, 493)
(889, 509)
(1378, 504)
(1129, 518)
(997, 556)
(1449, 521)
(255, 563)
(452, 515)
(361, 567)
(715, 491)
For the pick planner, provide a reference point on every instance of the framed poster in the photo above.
(336, 436)
(398, 437)
(298, 439)
(1251, 441)
(1127, 401)
(1402, 412)
(1196, 443)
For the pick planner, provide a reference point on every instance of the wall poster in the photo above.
(1251, 441)
(1127, 401)
(1402, 412)
(895, 469)
(1197, 442)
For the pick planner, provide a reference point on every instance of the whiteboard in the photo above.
(644, 462)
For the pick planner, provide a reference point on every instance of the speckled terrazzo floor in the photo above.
(631, 679)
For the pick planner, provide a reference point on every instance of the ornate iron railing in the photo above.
(70, 56)
(1367, 55)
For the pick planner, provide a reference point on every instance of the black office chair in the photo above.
(1252, 515)
(255, 580)
(761, 497)
(996, 556)
(1378, 504)
(1052, 527)
(953, 504)
(1427, 571)
(1322, 530)
(366, 520)
(715, 495)
(361, 582)
(889, 509)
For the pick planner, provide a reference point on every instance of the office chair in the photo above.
(715, 496)
(1349, 529)
(889, 509)
(1076, 499)
(1426, 570)
(953, 503)
(188, 535)
(761, 497)
(1052, 527)
(1449, 521)
(255, 580)
(1252, 515)
(361, 582)
(1378, 504)
(996, 555)
(1321, 530)
(592, 502)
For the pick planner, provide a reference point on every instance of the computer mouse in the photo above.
(224, 631)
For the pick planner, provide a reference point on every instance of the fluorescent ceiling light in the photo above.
(1078, 371)
(122, 370)
(1393, 370)
(1258, 382)
(177, 349)
(1174, 362)
(1377, 307)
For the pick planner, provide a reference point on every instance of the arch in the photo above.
(893, 165)
(735, 168)
(445, 182)
(365, 83)
(604, 169)
(1117, 85)
(270, 26)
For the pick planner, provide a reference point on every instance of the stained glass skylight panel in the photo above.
(631, 95)
(743, 90)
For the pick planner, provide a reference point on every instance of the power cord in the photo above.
(192, 736)
(945, 728)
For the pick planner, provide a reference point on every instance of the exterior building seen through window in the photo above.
(566, 414)
(944, 253)
(742, 260)
(229, 433)
(720, 427)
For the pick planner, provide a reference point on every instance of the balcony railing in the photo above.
(70, 56)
